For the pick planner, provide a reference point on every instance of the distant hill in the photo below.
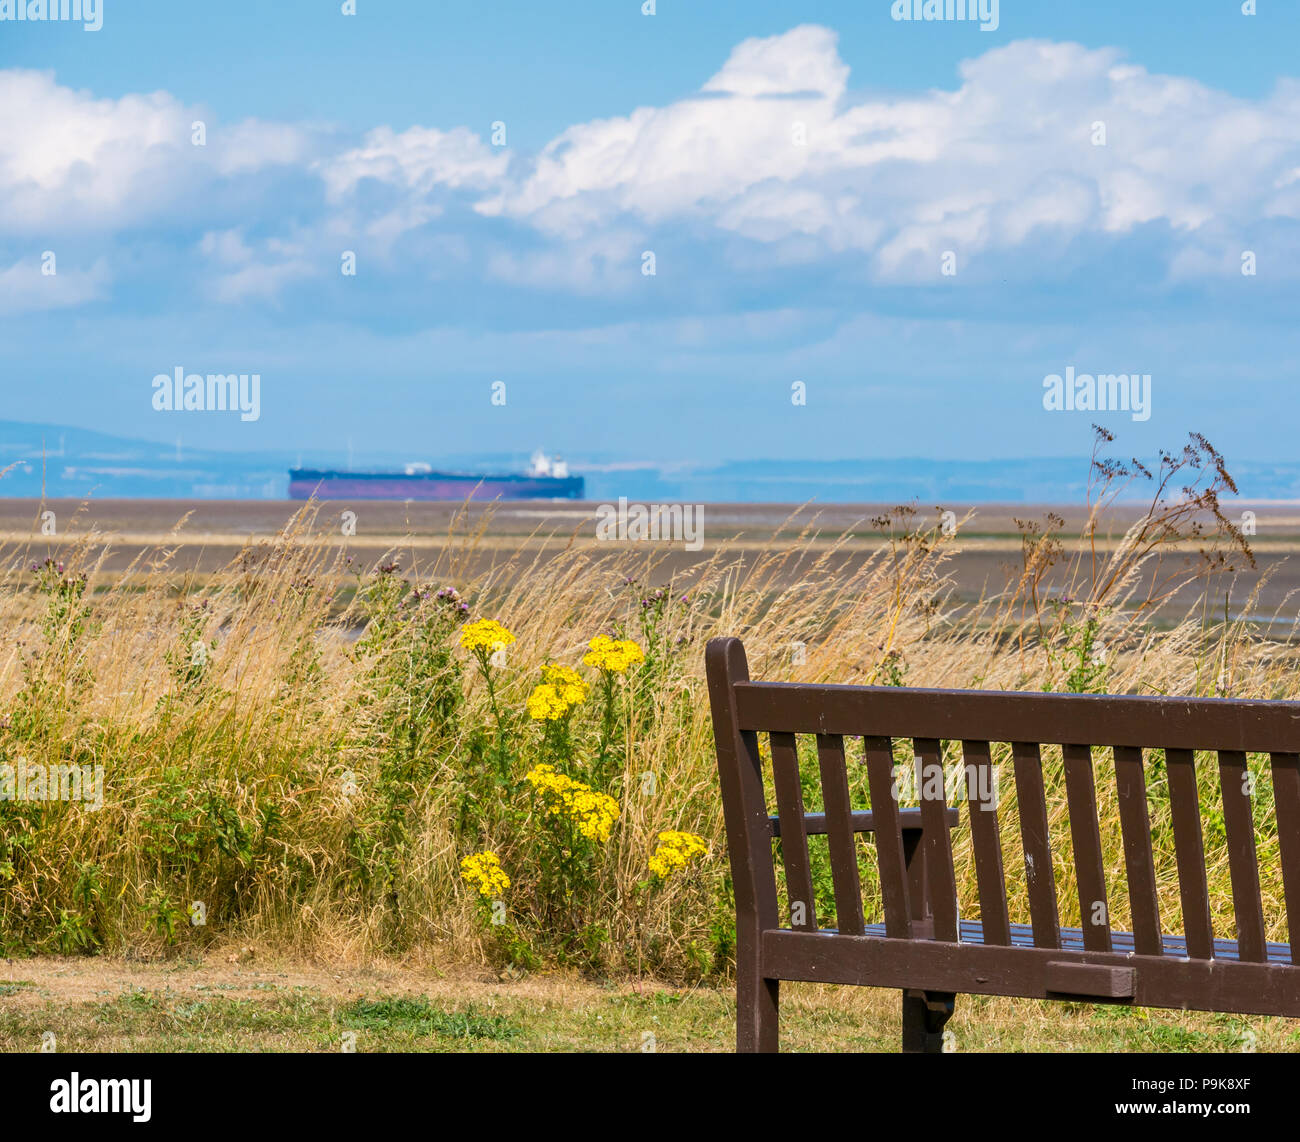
(77, 462)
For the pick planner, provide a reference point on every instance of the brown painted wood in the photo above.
(794, 838)
(889, 837)
(1089, 868)
(1037, 843)
(1243, 863)
(1286, 804)
(749, 847)
(1096, 980)
(985, 715)
(1186, 810)
(941, 883)
(987, 844)
(814, 824)
(1135, 825)
(839, 827)
(972, 969)
(924, 948)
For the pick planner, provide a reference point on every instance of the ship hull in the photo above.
(441, 486)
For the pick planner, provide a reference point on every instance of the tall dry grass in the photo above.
(298, 744)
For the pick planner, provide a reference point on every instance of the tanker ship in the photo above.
(546, 479)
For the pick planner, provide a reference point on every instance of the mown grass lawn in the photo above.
(109, 1005)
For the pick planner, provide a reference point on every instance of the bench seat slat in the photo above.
(1022, 936)
(794, 839)
(864, 821)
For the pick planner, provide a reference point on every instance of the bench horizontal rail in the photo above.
(999, 716)
(976, 969)
(863, 821)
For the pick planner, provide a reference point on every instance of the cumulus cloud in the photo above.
(776, 160)
(73, 162)
(777, 148)
(420, 159)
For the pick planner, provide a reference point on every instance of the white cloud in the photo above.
(983, 167)
(25, 289)
(804, 59)
(420, 160)
(73, 162)
(247, 273)
(775, 148)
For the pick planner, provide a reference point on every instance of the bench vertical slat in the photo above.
(1089, 868)
(934, 819)
(1185, 807)
(1286, 807)
(794, 836)
(1243, 863)
(1037, 844)
(839, 829)
(987, 843)
(889, 838)
(1135, 824)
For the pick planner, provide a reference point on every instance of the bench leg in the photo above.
(757, 1007)
(924, 1014)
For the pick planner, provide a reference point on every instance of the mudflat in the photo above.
(206, 536)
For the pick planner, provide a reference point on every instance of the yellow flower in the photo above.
(483, 872)
(593, 813)
(568, 683)
(613, 655)
(676, 851)
(546, 705)
(485, 634)
(560, 690)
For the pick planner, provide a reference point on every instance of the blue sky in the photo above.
(799, 170)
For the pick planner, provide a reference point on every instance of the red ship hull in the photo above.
(443, 486)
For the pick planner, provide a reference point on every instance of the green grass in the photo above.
(569, 1015)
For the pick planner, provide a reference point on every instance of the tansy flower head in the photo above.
(546, 705)
(676, 851)
(561, 689)
(612, 655)
(483, 872)
(568, 682)
(485, 635)
(593, 813)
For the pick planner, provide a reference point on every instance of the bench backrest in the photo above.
(879, 716)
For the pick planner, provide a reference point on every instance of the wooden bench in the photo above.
(923, 946)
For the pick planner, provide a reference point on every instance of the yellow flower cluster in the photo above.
(485, 634)
(483, 872)
(561, 689)
(613, 655)
(676, 851)
(546, 705)
(594, 813)
(567, 682)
